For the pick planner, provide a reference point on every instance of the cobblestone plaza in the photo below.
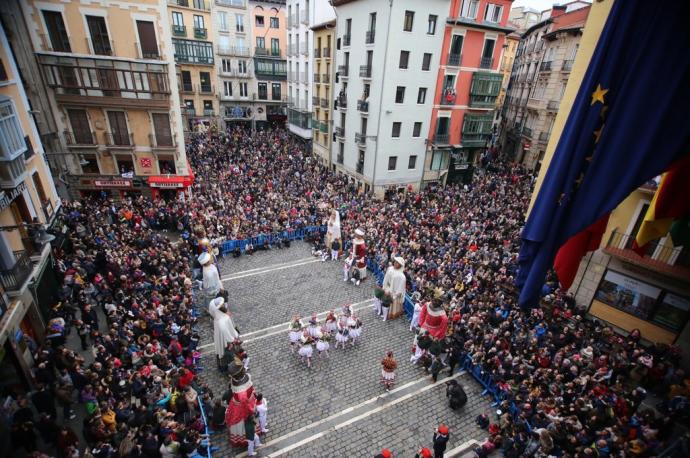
(338, 407)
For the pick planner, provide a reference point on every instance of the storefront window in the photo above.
(673, 312)
(628, 294)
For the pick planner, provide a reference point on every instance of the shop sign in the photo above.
(9, 196)
(166, 185)
(112, 183)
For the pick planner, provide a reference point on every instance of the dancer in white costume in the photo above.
(307, 348)
(322, 344)
(294, 332)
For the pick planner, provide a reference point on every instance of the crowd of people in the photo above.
(129, 293)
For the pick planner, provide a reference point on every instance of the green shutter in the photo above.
(485, 89)
(476, 129)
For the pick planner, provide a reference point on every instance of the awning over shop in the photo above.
(172, 181)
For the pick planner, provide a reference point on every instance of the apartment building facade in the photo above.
(386, 75)
(234, 65)
(300, 60)
(468, 85)
(192, 31)
(114, 98)
(269, 31)
(322, 90)
(28, 205)
(542, 66)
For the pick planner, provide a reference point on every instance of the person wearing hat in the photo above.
(440, 440)
(385, 453)
(394, 284)
(224, 331)
(423, 453)
(211, 283)
(358, 257)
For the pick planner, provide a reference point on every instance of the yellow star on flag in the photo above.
(598, 94)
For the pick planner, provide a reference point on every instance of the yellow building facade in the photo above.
(322, 90)
(628, 291)
(509, 49)
(111, 74)
(28, 205)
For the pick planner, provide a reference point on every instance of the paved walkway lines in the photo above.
(267, 269)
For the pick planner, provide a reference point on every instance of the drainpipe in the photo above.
(378, 124)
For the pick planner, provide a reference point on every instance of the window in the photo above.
(275, 91)
(100, 41)
(404, 59)
(488, 53)
(225, 65)
(409, 19)
(275, 46)
(259, 21)
(161, 126)
(119, 133)
(81, 130)
(227, 88)
(242, 66)
(439, 160)
(392, 162)
(628, 294)
(193, 51)
(360, 162)
(239, 23)
(421, 95)
(90, 164)
(275, 23)
(208, 107)
(186, 81)
(493, 13)
(396, 129)
(147, 39)
(417, 129)
(261, 42)
(263, 91)
(400, 94)
(412, 162)
(125, 164)
(205, 82)
(426, 61)
(59, 41)
(469, 9)
(243, 90)
(177, 19)
(372, 22)
(198, 22)
(222, 21)
(431, 27)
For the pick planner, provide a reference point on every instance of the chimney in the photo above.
(558, 10)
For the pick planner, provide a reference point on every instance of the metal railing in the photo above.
(553, 104)
(304, 17)
(454, 60)
(317, 78)
(205, 89)
(326, 53)
(119, 139)
(347, 38)
(187, 88)
(370, 37)
(527, 131)
(340, 132)
(545, 66)
(14, 278)
(441, 139)
(544, 136)
(196, 4)
(80, 138)
(324, 103)
(342, 102)
(486, 62)
(674, 261)
(343, 70)
(326, 78)
(235, 3)
(179, 31)
(317, 53)
(200, 32)
(365, 71)
(568, 65)
(363, 106)
(360, 138)
(209, 112)
(162, 141)
(315, 100)
(241, 51)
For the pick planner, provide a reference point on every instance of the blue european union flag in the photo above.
(630, 121)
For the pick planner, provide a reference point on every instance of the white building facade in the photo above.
(235, 68)
(384, 93)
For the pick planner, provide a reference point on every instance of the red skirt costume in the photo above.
(240, 407)
(433, 320)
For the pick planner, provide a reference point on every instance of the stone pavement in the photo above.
(265, 292)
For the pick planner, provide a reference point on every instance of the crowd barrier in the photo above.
(199, 367)
(230, 246)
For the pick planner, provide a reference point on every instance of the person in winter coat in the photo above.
(440, 441)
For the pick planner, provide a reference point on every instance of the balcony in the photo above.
(667, 260)
(568, 65)
(12, 173)
(79, 139)
(370, 36)
(157, 141)
(186, 88)
(324, 103)
(304, 17)
(189, 112)
(105, 82)
(365, 71)
(239, 51)
(361, 139)
(342, 102)
(363, 106)
(441, 139)
(527, 132)
(231, 3)
(486, 62)
(238, 112)
(340, 132)
(209, 112)
(13, 279)
(544, 137)
(200, 32)
(454, 60)
(304, 48)
(179, 31)
(326, 53)
(346, 39)
(317, 78)
(264, 52)
(545, 66)
(119, 140)
(323, 127)
(343, 71)
(448, 96)
(553, 105)
(205, 89)
(196, 4)
(326, 79)
(317, 53)
(294, 20)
